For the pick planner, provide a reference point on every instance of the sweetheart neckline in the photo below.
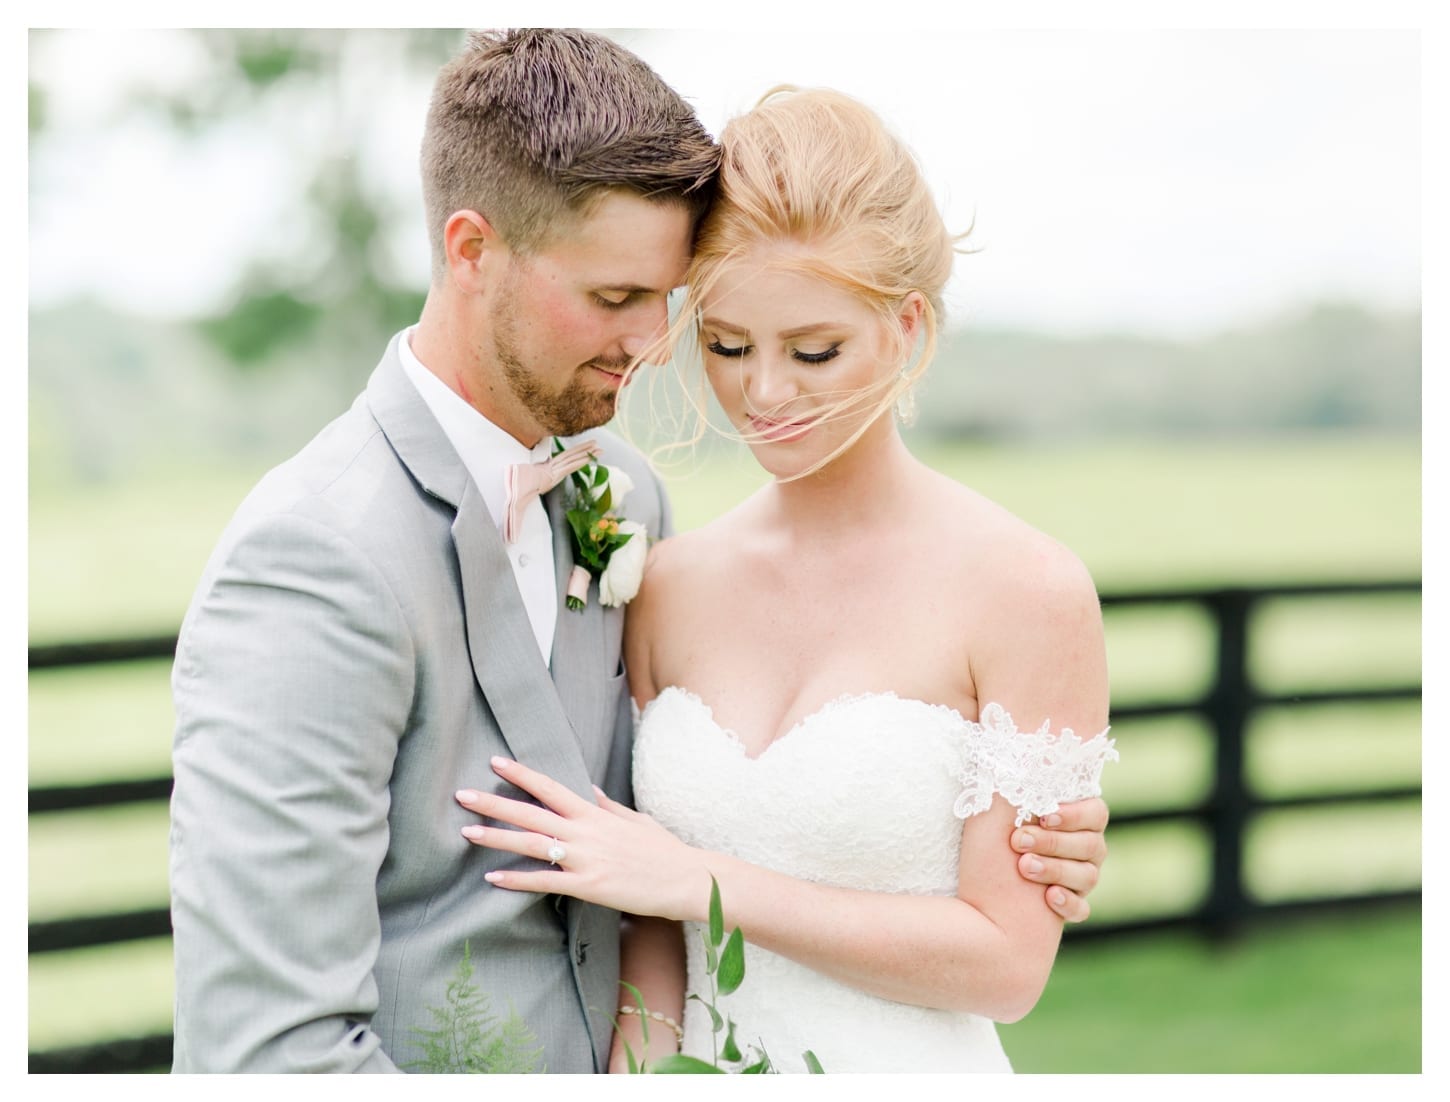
(834, 703)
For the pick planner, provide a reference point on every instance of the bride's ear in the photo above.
(911, 314)
(473, 249)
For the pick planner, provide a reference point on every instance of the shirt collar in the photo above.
(486, 449)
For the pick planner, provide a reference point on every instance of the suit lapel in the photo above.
(505, 658)
(577, 661)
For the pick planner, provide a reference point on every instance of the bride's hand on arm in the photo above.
(1065, 852)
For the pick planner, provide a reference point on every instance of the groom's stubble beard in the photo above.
(575, 407)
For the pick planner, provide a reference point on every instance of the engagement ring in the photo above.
(556, 852)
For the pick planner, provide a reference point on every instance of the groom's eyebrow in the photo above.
(632, 289)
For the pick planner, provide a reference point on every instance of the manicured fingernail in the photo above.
(493, 877)
(1034, 866)
(465, 795)
(473, 832)
(1023, 840)
(1058, 897)
(499, 763)
(1054, 820)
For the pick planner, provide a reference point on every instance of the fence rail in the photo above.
(1228, 705)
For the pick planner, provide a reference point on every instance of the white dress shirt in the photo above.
(487, 452)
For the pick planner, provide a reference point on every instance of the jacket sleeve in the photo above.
(293, 684)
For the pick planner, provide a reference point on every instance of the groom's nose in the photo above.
(644, 336)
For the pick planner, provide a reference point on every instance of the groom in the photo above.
(380, 617)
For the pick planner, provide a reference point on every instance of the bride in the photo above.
(855, 685)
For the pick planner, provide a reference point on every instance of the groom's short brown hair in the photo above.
(529, 127)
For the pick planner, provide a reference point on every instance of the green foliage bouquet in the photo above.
(725, 969)
(467, 1038)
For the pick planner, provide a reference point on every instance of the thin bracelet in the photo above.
(657, 1016)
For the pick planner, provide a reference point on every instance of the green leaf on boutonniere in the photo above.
(581, 521)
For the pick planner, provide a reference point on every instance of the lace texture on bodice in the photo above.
(868, 792)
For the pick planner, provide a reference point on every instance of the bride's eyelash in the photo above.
(817, 357)
(734, 352)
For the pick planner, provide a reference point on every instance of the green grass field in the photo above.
(1141, 516)
(1325, 995)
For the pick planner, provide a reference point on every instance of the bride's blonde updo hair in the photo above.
(819, 172)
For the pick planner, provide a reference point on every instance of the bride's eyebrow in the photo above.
(810, 330)
(728, 326)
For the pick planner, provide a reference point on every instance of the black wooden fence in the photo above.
(1226, 813)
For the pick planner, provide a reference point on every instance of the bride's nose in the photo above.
(768, 383)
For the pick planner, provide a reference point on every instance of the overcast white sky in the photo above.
(1168, 181)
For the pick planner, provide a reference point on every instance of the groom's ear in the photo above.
(473, 248)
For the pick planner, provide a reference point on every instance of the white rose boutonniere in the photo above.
(620, 580)
(606, 546)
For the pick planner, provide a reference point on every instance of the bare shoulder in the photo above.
(688, 559)
(677, 571)
(1009, 566)
(682, 582)
(673, 562)
(1036, 642)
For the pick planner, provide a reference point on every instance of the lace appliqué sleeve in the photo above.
(1034, 772)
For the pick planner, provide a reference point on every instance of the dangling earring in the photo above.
(906, 400)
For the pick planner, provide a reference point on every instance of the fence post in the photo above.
(1229, 705)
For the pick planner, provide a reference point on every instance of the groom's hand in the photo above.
(1065, 850)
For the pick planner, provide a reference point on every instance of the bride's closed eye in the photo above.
(728, 351)
(816, 357)
(736, 351)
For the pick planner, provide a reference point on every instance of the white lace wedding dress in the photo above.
(869, 792)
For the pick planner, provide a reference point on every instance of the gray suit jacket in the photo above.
(356, 651)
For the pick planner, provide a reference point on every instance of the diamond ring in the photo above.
(556, 852)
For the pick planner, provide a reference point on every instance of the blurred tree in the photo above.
(313, 91)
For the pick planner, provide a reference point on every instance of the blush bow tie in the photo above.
(525, 481)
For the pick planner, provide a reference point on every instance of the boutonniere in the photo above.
(606, 546)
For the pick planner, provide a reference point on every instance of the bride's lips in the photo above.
(768, 428)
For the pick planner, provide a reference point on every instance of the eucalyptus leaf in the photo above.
(677, 1063)
(812, 1064)
(730, 1050)
(717, 914)
(732, 963)
(761, 1067)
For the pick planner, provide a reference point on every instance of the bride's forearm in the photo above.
(651, 959)
(936, 951)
